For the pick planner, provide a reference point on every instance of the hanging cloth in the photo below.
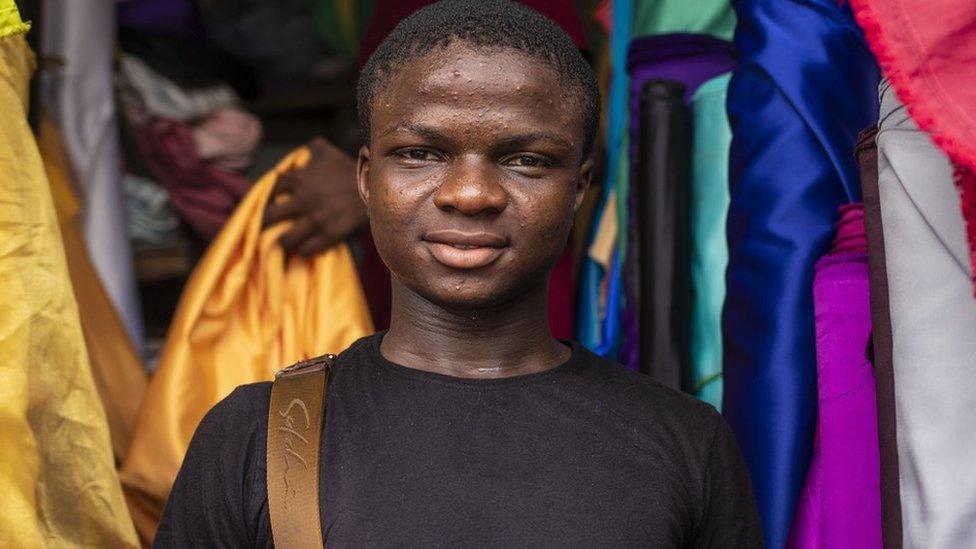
(933, 322)
(78, 96)
(660, 214)
(116, 367)
(58, 485)
(711, 138)
(840, 505)
(691, 60)
(803, 88)
(599, 296)
(246, 312)
(927, 50)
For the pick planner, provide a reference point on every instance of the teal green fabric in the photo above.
(710, 253)
(713, 17)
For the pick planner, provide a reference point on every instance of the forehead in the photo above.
(500, 89)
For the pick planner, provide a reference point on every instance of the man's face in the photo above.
(472, 174)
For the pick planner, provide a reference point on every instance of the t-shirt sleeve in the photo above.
(212, 503)
(729, 518)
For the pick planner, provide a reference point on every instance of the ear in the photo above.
(362, 175)
(583, 182)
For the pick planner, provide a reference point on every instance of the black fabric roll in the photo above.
(662, 188)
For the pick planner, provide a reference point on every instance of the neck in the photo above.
(502, 341)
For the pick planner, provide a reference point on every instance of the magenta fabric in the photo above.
(840, 505)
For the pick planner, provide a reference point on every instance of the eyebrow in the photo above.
(433, 134)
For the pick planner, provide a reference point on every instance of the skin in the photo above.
(321, 199)
(480, 150)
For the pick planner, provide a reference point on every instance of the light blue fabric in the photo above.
(711, 137)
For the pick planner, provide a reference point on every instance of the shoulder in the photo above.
(646, 403)
(234, 426)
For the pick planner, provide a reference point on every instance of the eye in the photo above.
(528, 161)
(417, 155)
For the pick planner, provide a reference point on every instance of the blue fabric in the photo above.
(601, 335)
(804, 86)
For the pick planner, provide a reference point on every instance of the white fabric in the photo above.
(77, 93)
(161, 97)
(933, 321)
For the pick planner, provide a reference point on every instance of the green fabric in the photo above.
(710, 253)
(714, 17)
(341, 23)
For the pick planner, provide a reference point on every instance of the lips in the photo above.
(464, 250)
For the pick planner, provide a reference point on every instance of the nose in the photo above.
(471, 187)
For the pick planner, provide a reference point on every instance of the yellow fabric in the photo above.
(116, 367)
(58, 486)
(244, 314)
(604, 242)
(10, 23)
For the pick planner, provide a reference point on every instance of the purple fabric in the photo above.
(691, 59)
(840, 505)
(172, 17)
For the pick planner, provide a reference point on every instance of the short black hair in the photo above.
(494, 24)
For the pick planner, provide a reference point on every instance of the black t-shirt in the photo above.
(588, 454)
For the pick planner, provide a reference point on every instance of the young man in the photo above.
(467, 424)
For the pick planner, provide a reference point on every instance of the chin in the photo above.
(469, 295)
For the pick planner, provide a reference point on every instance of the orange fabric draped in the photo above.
(247, 311)
(116, 367)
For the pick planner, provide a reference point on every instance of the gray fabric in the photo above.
(933, 321)
(78, 95)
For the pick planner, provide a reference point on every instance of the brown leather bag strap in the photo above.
(294, 439)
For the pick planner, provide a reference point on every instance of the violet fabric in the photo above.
(690, 59)
(840, 505)
(169, 17)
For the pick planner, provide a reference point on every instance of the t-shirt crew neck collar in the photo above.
(376, 355)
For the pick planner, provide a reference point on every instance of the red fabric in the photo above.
(373, 272)
(927, 49)
(201, 194)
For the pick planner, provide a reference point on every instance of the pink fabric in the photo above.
(927, 51)
(227, 138)
(849, 231)
(201, 194)
(840, 505)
